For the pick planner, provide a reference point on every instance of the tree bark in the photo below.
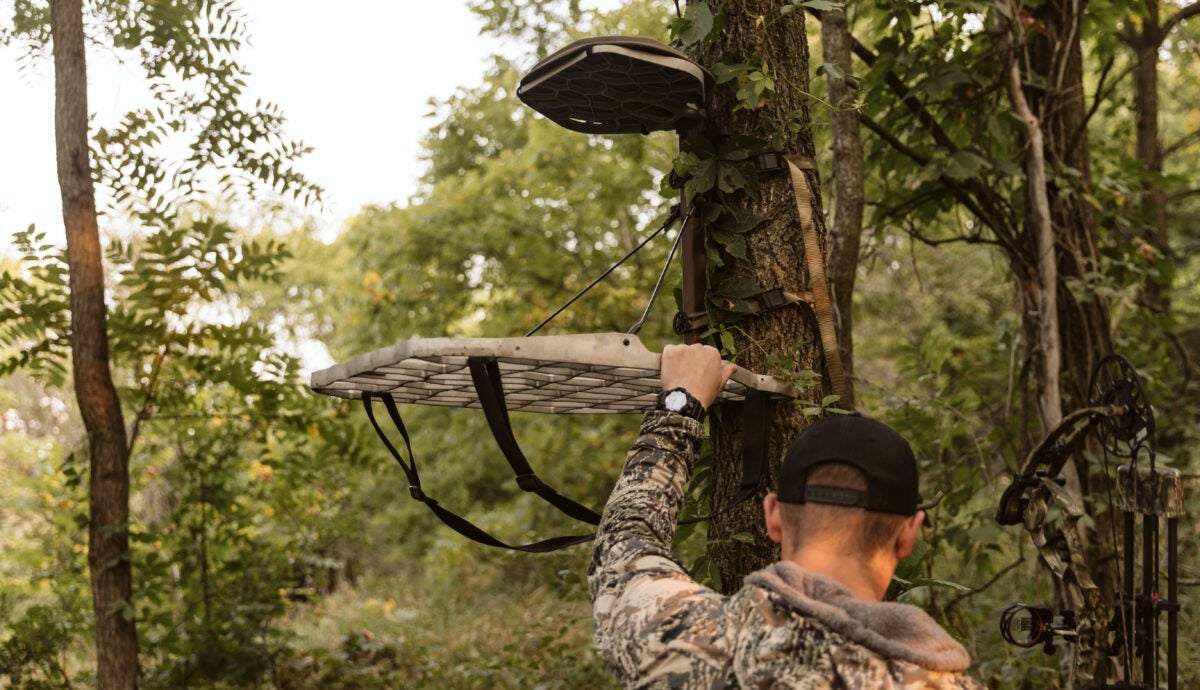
(775, 259)
(1145, 44)
(108, 488)
(845, 235)
(1049, 347)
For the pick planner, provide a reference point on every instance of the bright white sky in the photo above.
(352, 77)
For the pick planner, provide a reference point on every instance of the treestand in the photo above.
(608, 85)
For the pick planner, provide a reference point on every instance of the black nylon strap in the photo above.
(756, 427)
(756, 424)
(450, 519)
(485, 372)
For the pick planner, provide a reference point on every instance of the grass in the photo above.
(502, 622)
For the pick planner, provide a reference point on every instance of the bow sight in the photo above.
(1029, 626)
(1128, 641)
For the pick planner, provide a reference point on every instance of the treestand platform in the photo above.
(553, 374)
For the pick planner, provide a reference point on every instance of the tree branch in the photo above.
(1050, 397)
(995, 578)
(151, 393)
(891, 140)
(961, 194)
(1185, 12)
(1183, 194)
(898, 87)
(1183, 141)
(1100, 96)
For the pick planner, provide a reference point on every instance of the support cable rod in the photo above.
(671, 218)
(637, 327)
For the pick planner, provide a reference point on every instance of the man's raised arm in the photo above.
(646, 606)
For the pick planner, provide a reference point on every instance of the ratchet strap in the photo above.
(822, 306)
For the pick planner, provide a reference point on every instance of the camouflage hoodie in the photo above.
(786, 628)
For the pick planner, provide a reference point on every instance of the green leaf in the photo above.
(741, 287)
(724, 72)
(739, 221)
(732, 178)
(703, 179)
(936, 582)
(963, 165)
(727, 345)
(938, 84)
(818, 5)
(734, 244)
(695, 26)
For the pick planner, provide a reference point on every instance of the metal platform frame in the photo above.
(554, 374)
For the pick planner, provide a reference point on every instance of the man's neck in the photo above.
(866, 578)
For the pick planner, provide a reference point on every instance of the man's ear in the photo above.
(907, 537)
(772, 518)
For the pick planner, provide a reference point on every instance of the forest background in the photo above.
(273, 543)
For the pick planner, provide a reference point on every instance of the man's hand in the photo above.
(696, 368)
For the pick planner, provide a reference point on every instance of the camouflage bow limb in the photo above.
(1105, 646)
(1036, 486)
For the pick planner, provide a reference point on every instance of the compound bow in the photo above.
(1123, 421)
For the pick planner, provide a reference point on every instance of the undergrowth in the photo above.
(505, 622)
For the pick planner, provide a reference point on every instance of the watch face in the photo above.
(675, 401)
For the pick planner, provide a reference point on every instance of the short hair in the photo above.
(861, 531)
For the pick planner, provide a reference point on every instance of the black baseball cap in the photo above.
(873, 447)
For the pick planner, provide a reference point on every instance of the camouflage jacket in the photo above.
(785, 628)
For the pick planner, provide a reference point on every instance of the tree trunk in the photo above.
(774, 259)
(1045, 288)
(1153, 231)
(1055, 59)
(846, 233)
(108, 488)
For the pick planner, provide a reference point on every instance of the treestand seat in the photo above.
(617, 85)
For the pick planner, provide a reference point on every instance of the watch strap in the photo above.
(691, 408)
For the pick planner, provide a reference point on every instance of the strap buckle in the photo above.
(685, 323)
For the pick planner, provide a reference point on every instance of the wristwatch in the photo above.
(681, 401)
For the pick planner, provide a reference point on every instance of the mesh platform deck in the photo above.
(556, 374)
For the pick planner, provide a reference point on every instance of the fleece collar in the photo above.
(894, 630)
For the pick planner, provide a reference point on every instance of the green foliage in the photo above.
(560, 209)
(273, 539)
(533, 24)
(910, 574)
(188, 54)
(33, 656)
(44, 600)
(495, 624)
(228, 455)
(35, 328)
(755, 86)
(695, 25)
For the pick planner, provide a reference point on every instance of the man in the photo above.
(845, 514)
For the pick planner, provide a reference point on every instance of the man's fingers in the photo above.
(696, 368)
(727, 372)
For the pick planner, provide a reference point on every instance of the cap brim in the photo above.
(932, 502)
